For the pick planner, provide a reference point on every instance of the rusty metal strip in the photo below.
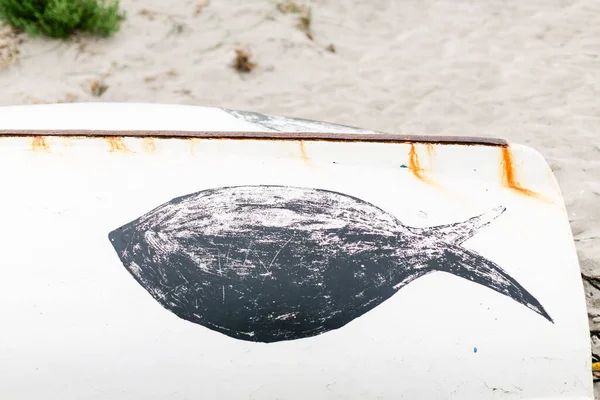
(309, 136)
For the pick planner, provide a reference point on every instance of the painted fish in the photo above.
(273, 263)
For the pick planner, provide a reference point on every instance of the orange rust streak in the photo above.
(149, 145)
(414, 165)
(509, 177)
(303, 154)
(117, 144)
(430, 155)
(39, 144)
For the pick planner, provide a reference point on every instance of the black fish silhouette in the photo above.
(272, 263)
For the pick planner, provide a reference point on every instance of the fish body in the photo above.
(273, 263)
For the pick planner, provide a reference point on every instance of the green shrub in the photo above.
(60, 18)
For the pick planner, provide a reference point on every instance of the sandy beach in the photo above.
(528, 72)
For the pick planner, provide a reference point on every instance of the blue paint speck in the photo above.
(474, 349)
(403, 166)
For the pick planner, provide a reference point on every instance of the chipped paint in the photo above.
(149, 145)
(117, 144)
(38, 143)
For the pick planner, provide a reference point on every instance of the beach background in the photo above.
(525, 71)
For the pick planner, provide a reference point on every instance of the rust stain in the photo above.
(303, 154)
(117, 144)
(509, 178)
(430, 155)
(414, 164)
(149, 145)
(39, 144)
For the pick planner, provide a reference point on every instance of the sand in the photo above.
(526, 71)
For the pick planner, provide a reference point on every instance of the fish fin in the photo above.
(459, 232)
(475, 268)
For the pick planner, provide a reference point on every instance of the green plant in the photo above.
(61, 18)
(305, 20)
(305, 15)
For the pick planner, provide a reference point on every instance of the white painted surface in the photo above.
(76, 325)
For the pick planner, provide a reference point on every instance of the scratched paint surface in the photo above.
(272, 263)
(73, 316)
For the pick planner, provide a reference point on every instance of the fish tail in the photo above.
(459, 232)
(476, 268)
